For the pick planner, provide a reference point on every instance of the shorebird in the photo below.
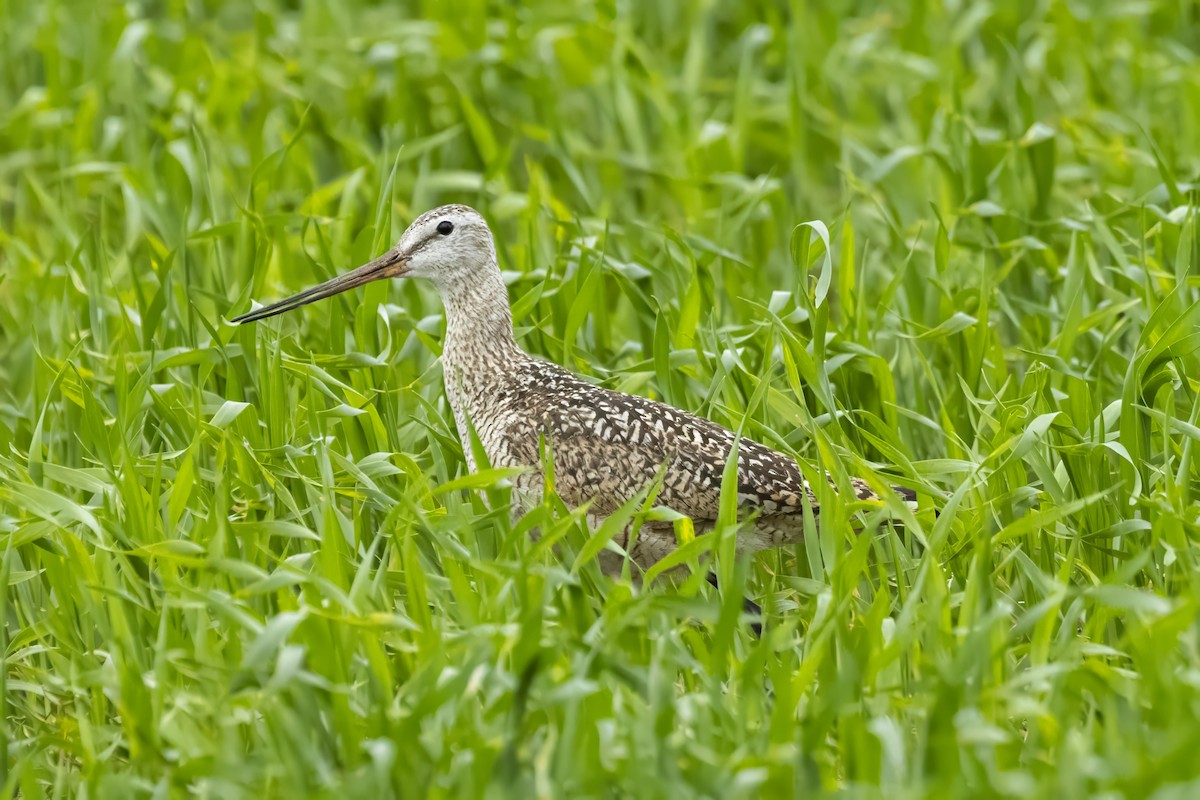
(606, 446)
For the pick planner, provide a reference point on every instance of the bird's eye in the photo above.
(445, 227)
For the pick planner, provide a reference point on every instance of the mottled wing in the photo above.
(607, 445)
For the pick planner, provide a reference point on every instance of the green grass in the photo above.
(243, 562)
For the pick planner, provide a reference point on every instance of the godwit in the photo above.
(606, 446)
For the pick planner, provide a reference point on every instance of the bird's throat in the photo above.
(479, 328)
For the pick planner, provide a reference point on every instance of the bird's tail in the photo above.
(863, 491)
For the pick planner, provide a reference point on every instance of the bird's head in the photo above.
(449, 245)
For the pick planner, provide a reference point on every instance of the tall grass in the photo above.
(247, 562)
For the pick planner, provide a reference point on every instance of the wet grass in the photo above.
(246, 562)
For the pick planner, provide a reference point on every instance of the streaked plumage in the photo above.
(606, 445)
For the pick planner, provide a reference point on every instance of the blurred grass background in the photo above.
(243, 562)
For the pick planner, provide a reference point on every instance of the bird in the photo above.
(605, 446)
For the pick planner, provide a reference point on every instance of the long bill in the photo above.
(391, 264)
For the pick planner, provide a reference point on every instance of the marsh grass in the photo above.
(248, 562)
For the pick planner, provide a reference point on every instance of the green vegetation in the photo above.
(246, 562)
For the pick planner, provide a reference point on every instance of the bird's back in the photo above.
(606, 446)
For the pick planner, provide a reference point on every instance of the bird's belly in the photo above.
(506, 437)
(498, 449)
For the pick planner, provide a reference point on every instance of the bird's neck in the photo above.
(479, 328)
